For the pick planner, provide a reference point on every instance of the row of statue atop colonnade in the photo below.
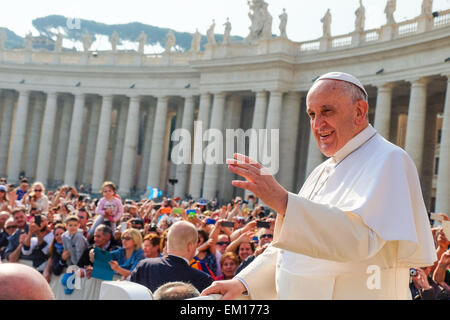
(261, 28)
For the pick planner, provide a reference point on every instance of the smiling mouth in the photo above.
(325, 134)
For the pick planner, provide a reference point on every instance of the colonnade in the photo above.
(31, 127)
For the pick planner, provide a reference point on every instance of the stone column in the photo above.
(212, 170)
(5, 130)
(428, 159)
(182, 170)
(443, 178)
(63, 140)
(231, 121)
(92, 141)
(156, 155)
(197, 169)
(383, 110)
(143, 174)
(272, 123)
(315, 157)
(259, 122)
(415, 129)
(18, 137)
(102, 143)
(45, 145)
(288, 139)
(34, 132)
(130, 146)
(120, 139)
(74, 140)
(259, 115)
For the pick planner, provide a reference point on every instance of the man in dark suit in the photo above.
(181, 248)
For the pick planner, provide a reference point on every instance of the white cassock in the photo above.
(355, 228)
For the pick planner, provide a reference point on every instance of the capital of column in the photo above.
(135, 98)
(294, 95)
(188, 97)
(24, 92)
(385, 86)
(447, 75)
(418, 82)
(219, 94)
(162, 98)
(107, 97)
(276, 93)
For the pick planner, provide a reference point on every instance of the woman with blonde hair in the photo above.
(37, 198)
(126, 258)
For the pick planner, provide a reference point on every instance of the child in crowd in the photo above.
(109, 208)
(73, 241)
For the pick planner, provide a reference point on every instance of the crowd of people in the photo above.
(52, 230)
(173, 245)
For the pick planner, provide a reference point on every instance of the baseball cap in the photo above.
(3, 188)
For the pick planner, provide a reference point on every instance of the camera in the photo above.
(412, 272)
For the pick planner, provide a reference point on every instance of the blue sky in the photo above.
(182, 15)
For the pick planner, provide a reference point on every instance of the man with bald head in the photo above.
(21, 282)
(358, 223)
(181, 248)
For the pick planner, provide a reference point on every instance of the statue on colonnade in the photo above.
(391, 6)
(196, 41)
(427, 7)
(29, 42)
(226, 35)
(114, 39)
(142, 41)
(360, 18)
(170, 41)
(87, 41)
(283, 23)
(58, 43)
(261, 19)
(326, 24)
(210, 33)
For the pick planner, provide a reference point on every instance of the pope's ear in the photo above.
(361, 112)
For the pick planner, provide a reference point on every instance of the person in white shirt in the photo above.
(358, 223)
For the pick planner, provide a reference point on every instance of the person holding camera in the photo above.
(37, 243)
(442, 272)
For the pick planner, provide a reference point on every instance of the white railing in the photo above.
(407, 28)
(310, 46)
(341, 41)
(442, 19)
(400, 30)
(372, 35)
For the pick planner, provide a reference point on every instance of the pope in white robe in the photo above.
(357, 225)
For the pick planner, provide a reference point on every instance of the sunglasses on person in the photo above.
(37, 190)
(11, 227)
(81, 217)
(221, 243)
(2, 180)
(266, 236)
(127, 238)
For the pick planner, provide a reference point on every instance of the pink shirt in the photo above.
(115, 205)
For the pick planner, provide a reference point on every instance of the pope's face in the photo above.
(334, 117)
